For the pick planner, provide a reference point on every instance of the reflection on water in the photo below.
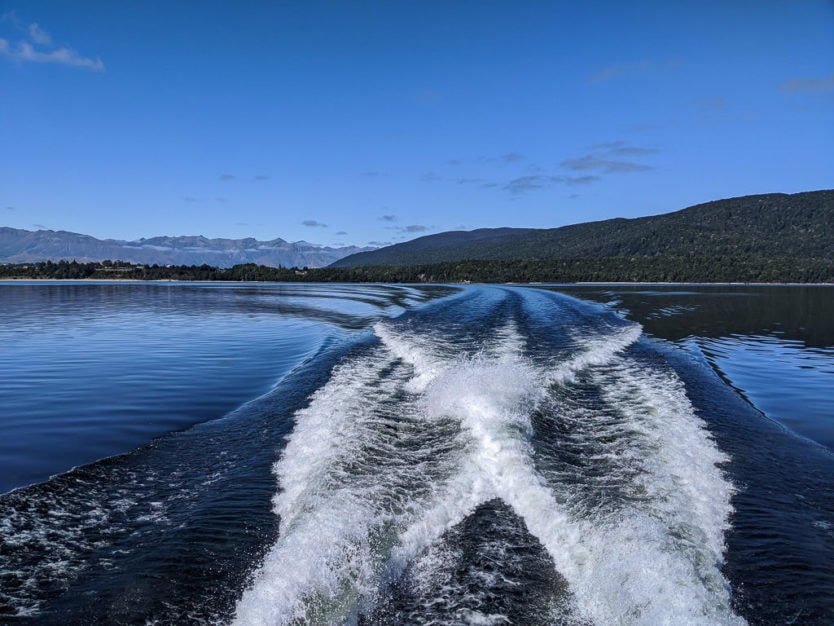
(790, 312)
(784, 379)
(91, 370)
(774, 345)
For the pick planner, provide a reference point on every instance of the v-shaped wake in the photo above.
(620, 485)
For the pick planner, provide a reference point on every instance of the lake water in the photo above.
(258, 453)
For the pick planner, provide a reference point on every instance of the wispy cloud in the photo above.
(39, 36)
(621, 148)
(220, 199)
(809, 84)
(379, 244)
(431, 177)
(227, 177)
(531, 181)
(10, 16)
(606, 166)
(523, 184)
(580, 180)
(387, 218)
(39, 226)
(10, 208)
(39, 49)
(410, 229)
(341, 232)
(507, 157)
(190, 199)
(314, 224)
(62, 56)
(261, 177)
(605, 158)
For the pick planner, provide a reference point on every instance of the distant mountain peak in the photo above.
(21, 246)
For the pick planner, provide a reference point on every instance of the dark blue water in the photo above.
(773, 344)
(389, 454)
(91, 370)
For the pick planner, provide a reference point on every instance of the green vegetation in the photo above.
(605, 269)
(769, 238)
(768, 226)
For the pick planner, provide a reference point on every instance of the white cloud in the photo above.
(43, 52)
(64, 56)
(39, 36)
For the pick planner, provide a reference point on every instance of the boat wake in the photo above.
(538, 467)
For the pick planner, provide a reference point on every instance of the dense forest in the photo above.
(799, 225)
(604, 269)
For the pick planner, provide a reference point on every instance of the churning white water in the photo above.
(406, 440)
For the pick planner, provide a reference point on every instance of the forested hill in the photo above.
(799, 225)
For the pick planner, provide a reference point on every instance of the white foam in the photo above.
(323, 548)
(494, 402)
(596, 351)
(673, 539)
(415, 352)
(658, 563)
(345, 534)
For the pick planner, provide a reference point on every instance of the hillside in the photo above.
(797, 225)
(24, 246)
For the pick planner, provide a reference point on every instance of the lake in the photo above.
(387, 454)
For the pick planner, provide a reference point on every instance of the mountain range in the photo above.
(22, 246)
(749, 231)
(799, 225)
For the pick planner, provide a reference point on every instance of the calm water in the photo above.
(391, 454)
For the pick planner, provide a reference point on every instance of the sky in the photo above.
(376, 122)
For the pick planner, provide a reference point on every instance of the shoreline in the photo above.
(521, 284)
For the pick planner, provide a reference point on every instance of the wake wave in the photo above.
(601, 458)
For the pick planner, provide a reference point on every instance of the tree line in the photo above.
(603, 269)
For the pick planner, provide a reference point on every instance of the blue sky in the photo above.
(356, 122)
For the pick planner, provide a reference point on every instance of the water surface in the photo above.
(773, 344)
(373, 454)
